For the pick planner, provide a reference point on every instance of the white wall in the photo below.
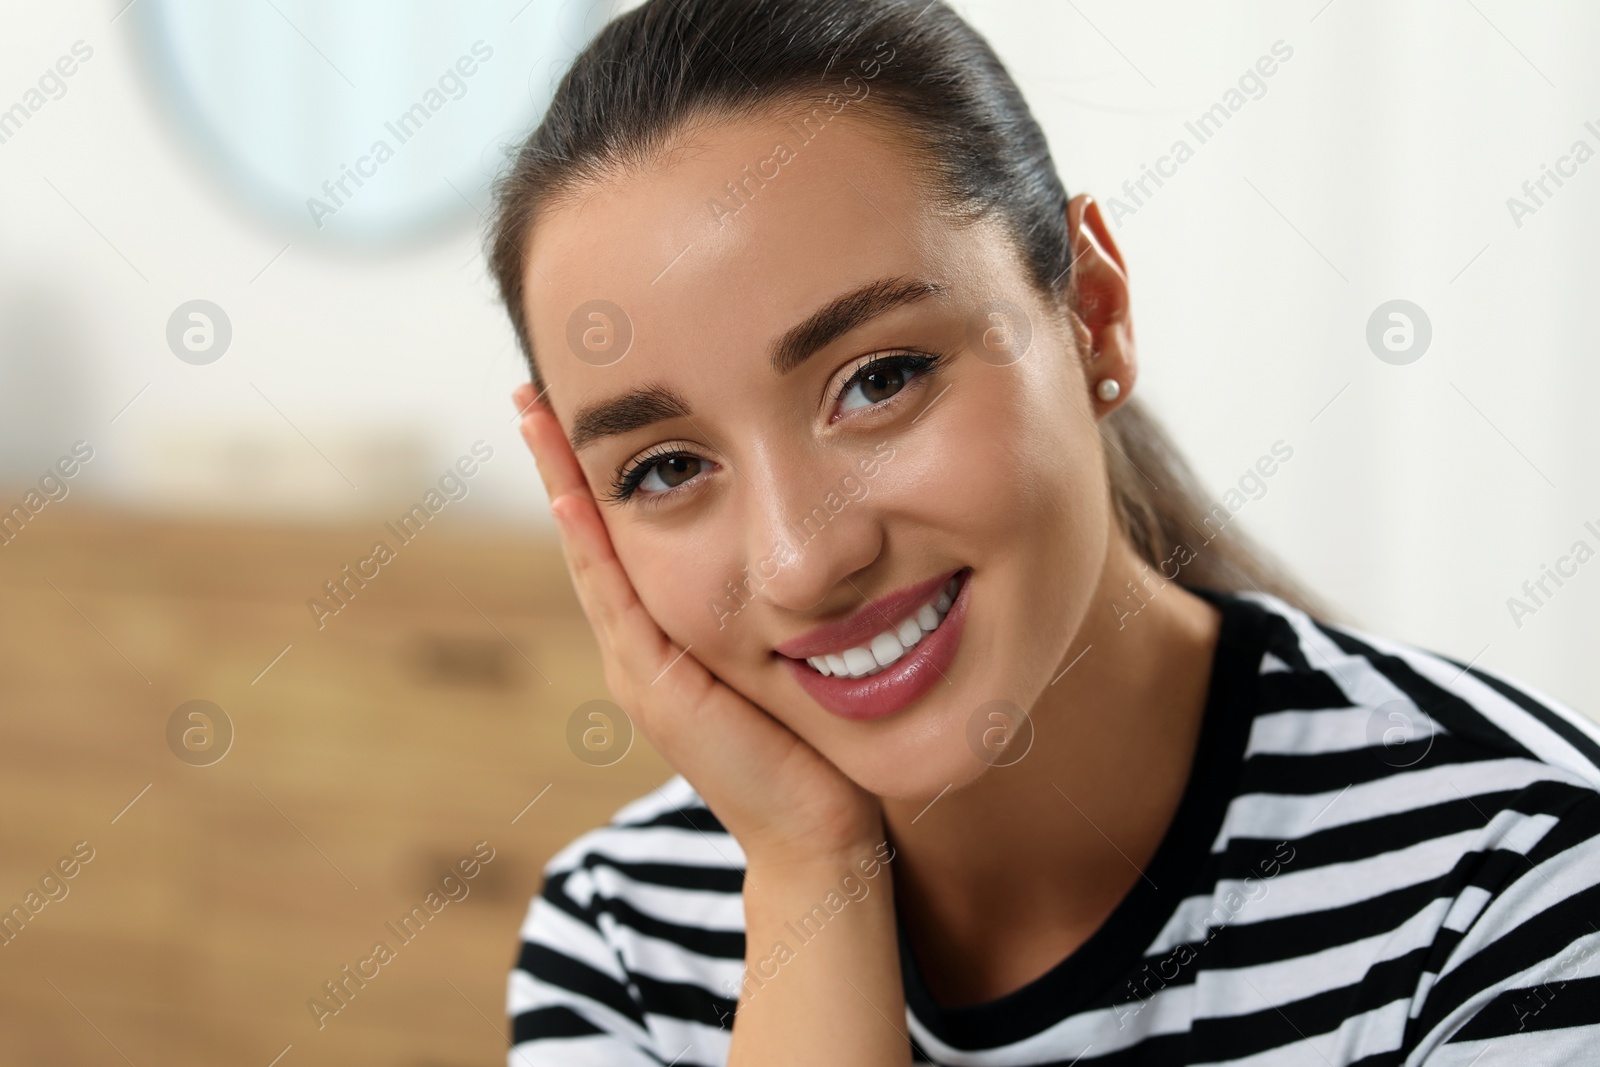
(1377, 165)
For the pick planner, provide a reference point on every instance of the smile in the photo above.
(886, 655)
(862, 661)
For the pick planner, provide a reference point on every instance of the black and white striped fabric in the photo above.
(1382, 856)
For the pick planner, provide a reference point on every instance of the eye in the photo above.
(881, 379)
(669, 472)
(656, 473)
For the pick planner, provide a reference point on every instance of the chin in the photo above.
(913, 755)
(916, 769)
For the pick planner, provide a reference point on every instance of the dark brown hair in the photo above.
(653, 71)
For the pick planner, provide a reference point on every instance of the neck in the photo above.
(1054, 841)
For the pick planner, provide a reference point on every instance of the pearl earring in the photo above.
(1108, 389)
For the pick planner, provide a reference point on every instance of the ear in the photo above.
(1098, 297)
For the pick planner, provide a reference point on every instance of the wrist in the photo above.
(820, 846)
(796, 871)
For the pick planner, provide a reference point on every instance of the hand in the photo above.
(786, 805)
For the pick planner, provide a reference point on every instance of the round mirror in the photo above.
(360, 121)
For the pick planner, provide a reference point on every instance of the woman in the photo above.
(995, 746)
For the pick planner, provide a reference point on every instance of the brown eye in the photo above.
(880, 380)
(881, 385)
(679, 469)
(669, 472)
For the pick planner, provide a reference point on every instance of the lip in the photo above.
(866, 622)
(902, 683)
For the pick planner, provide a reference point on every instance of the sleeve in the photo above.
(569, 1000)
(1522, 985)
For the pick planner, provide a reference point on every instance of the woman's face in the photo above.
(797, 390)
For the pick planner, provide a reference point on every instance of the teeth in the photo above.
(887, 647)
(859, 660)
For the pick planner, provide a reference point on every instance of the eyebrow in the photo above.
(624, 414)
(845, 313)
(651, 404)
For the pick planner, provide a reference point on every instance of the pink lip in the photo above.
(903, 682)
(866, 623)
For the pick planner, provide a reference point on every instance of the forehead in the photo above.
(735, 232)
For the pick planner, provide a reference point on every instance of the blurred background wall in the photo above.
(162, 153)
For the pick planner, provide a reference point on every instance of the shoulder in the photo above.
(1328, 688)
(666, 837)
(1401, 744)
(636, 934)
(1448, 809)
(1368, 747)
(664, 855)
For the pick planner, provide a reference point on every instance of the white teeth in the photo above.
(887, 647)
(859, 660)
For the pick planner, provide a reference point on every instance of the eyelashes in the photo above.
(912, 365)
(646, 465)
(662, 462)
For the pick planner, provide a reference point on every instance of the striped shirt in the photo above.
(1382, 856)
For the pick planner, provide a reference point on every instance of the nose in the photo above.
(811, 527)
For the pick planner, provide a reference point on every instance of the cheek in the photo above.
(690, 581)
(1055, 510)
(1013, 480)
(1011, 468)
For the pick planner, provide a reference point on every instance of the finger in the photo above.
(558, 465)
(641, 649)
(677, 701)
(614, 607)
(523, 397)
(603, 586)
